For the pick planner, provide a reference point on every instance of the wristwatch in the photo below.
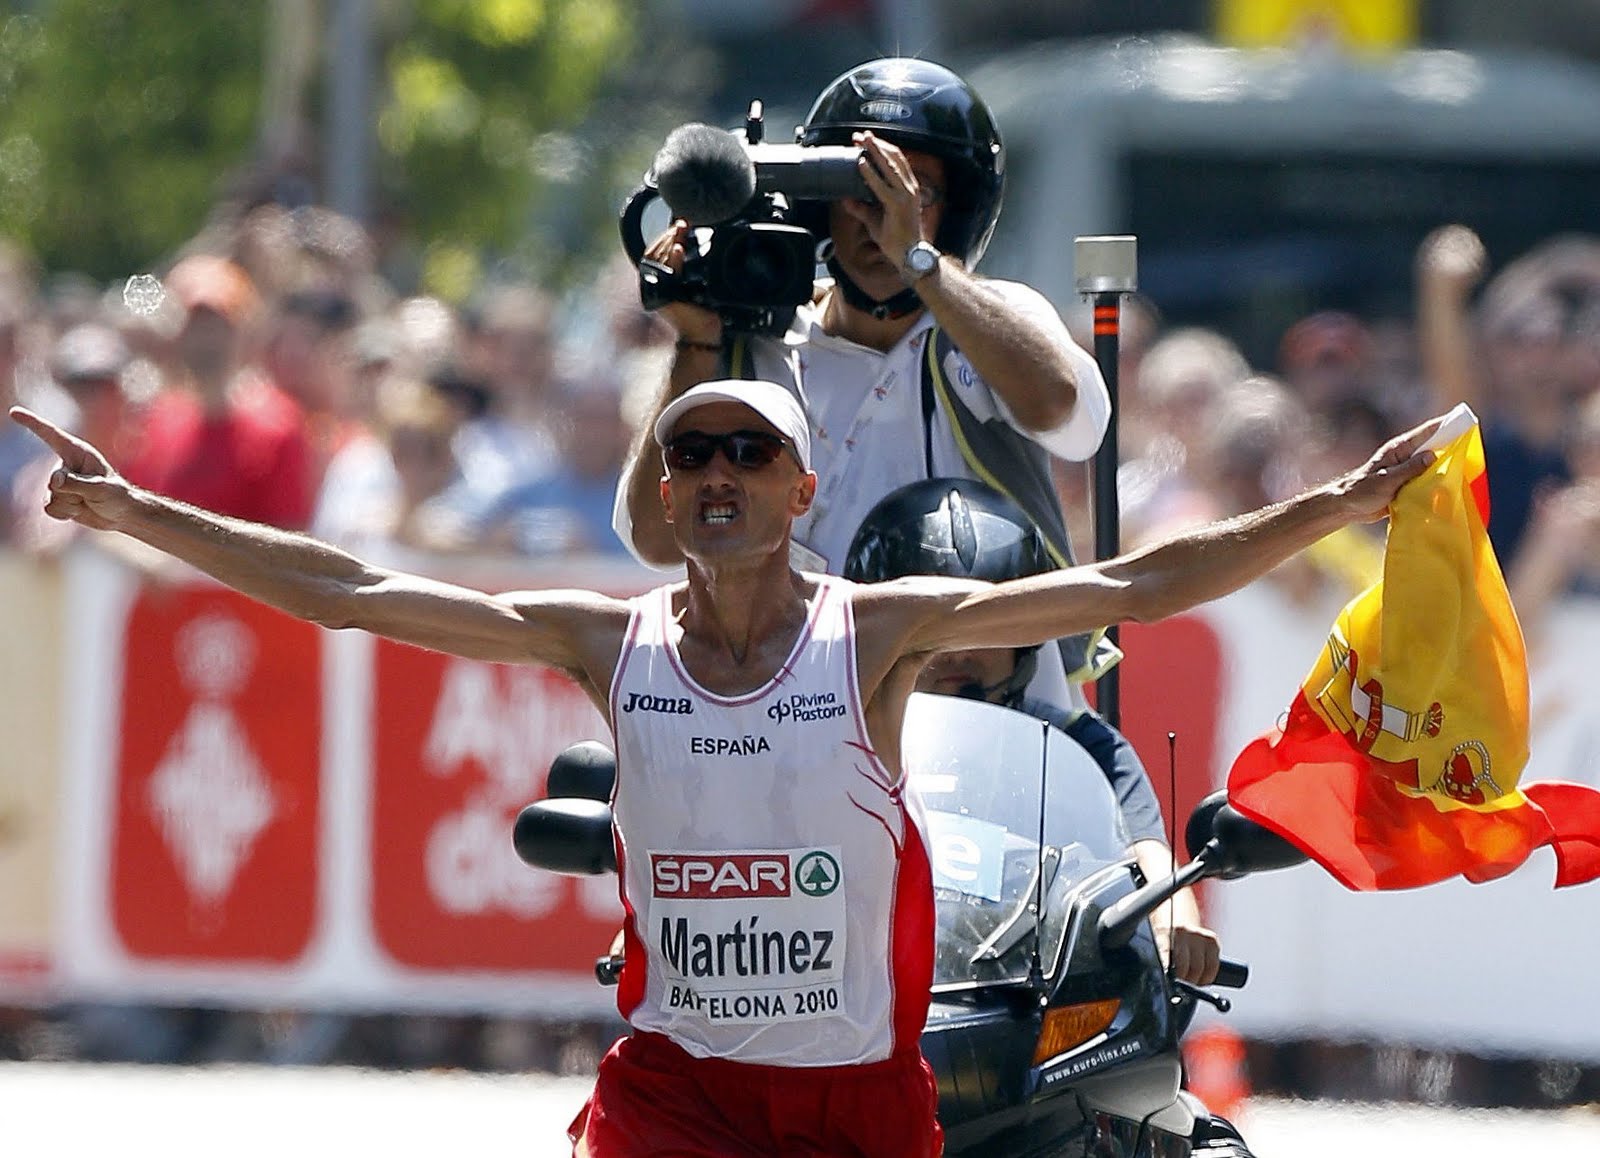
(921, 260)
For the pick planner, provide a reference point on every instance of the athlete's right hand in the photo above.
(84, 489)
(693, 323)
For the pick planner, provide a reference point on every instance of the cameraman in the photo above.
(1005, 387)
(1020, 389)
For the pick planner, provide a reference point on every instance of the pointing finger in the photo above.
(47, 432)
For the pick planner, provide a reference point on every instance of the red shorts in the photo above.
(653, 1099)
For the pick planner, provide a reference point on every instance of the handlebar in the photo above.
(1231, 974)
(608, 969)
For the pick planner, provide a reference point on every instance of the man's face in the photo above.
(853, 243)
(948, 673)
(720, 509)
(208, 345)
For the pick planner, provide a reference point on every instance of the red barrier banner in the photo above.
(216, 801)
(459, 748)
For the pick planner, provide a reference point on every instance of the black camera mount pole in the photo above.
(1106, 268)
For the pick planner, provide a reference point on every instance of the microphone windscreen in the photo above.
(704, 174)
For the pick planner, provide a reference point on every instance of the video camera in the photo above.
(750, 256)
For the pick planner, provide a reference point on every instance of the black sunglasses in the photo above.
(746, 449)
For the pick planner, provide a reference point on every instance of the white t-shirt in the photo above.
(865, 408)
(775, 874)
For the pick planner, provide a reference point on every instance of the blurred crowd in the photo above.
(1204, 434)
(271, 372)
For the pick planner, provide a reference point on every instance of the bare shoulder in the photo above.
(591, 624)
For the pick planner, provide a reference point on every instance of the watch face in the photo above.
(922, 258)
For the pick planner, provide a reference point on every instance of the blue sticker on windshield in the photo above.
(968, 854)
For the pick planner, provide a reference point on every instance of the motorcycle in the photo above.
(1053, 1028)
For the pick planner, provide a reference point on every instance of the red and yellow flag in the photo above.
(1399, 761)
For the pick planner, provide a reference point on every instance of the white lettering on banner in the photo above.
(208, 794)
(470, 867)
(776, 953)
(1265, 639)
(466, 720)
(511, 735)
(966, 854)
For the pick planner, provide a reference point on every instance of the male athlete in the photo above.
(774, 873)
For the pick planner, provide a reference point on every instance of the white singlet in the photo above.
(776, 880)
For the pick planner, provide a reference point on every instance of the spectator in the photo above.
(569, 510)
(1560, 554)
(1256, 453)
(223, 437)
(510, 354)
(1329, 359)
(15, 453)
(307, 354)
(1525, 367)
(87, 363)
(408, 490)
(1182, 385)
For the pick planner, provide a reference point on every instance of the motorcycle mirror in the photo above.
(586, 769)
(1231, 845)
(1202, 822)
(1222, 843)
(571, 836)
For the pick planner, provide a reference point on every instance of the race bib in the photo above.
(749, 936)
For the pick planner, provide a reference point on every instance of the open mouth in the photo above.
(718, 514)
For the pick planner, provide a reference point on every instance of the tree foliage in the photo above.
(120, 119)
(117, 118)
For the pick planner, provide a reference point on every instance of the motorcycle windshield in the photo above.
(987, 778)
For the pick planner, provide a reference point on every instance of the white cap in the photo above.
(768, 399)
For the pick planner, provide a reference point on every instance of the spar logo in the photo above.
(717, 876)
(817, 874)
(804, 709)
(742, 876)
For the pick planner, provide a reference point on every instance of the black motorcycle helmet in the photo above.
(959, 528)
(925, 108)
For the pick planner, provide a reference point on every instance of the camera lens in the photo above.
(763, 264)
(759, 266)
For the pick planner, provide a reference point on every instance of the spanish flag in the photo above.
(1399, 761)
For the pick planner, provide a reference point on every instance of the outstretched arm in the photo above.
(575, 631)
(930, 615)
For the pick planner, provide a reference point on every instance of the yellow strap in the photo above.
(1100, 655)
